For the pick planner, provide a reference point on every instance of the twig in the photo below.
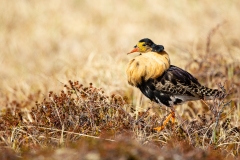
(143, 115)
(217, 119)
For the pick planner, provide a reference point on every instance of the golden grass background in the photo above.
(43, 44)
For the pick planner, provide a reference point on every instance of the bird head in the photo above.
(146, 45)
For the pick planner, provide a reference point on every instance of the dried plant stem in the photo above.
(68, 132)
(139, 102)
(143, 115)
(218, 118)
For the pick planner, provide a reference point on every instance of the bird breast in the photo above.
(146, 66)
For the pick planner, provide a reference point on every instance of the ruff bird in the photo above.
(162, 82)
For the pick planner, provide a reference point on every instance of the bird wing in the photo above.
(177, 81)
(173, 87)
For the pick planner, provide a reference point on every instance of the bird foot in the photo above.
(170, 116)
(159, 128)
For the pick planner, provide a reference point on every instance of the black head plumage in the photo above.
(147, 41)
(155, 47)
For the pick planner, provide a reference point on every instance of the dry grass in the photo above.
(44, 44)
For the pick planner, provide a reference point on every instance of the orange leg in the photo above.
(170, 116)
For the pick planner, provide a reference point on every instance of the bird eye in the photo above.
(144, 45)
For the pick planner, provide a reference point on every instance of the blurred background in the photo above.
(43, 44)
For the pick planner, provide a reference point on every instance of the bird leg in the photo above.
(170, 116)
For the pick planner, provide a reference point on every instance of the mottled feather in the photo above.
(176, 86)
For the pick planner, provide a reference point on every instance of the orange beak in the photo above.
(134, 50)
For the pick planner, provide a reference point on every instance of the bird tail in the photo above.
(209, 93)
